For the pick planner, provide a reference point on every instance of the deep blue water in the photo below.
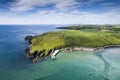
(80, 65)
(12, 45)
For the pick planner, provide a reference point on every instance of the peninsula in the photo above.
(80, 37)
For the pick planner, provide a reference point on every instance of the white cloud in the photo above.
(64, 18)
(61, 4)
(59, 15)
(24, 5)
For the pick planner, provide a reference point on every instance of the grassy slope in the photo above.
(86, 38)
(47, 41)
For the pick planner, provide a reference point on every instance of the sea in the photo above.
(77, 65)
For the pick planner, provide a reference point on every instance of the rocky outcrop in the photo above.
(36, 55)
(76, 48)
(29, 38)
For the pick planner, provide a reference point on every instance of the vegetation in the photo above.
(87, 37)
(47, 41)
(115, 28)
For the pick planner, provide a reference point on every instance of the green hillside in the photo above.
(68, 38)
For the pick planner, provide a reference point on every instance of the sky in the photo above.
(59, 11)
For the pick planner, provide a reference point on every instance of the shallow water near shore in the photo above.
(78, 65)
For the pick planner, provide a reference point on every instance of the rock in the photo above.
(29, 37)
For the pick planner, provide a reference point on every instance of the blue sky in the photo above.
(59, 11)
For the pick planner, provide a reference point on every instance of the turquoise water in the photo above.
(78, 65)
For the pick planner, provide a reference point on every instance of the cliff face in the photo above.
(36, 55)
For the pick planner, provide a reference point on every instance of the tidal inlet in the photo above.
(59, 40)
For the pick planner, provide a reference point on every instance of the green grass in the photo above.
(47, 42)
(69, 38)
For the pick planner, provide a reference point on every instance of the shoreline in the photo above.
(39, 55)
(72, 49)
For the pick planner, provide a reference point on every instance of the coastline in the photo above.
(39, 56)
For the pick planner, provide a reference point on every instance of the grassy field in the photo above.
(68, 38)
